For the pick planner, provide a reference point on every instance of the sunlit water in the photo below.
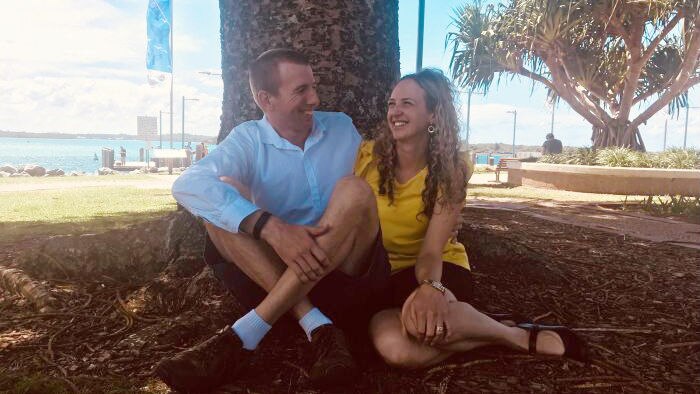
(67, 154)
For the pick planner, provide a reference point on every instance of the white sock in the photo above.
(251, 329)
(312, 320)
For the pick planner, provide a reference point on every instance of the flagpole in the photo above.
(172, 71)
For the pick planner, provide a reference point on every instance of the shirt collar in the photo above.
(268, 135)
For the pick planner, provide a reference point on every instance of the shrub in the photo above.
(679, 158)
(617, 157)
(586, 156)
(623, 157)
(672, 205)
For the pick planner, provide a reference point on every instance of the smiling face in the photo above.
(291, 108)
(408, 115)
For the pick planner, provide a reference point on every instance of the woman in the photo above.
(419, 178)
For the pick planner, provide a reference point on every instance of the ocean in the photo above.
(75, 154)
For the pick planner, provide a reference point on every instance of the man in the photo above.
(284, 220)
(551, 145)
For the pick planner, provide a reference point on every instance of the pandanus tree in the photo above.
(615, 62)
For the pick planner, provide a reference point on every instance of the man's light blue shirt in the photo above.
(290, 183)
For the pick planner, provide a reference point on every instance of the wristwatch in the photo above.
(437, 285)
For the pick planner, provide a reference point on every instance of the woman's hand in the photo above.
(423, 312)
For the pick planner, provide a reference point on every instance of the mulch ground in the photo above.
(636, 302)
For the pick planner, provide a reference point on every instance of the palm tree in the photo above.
(603, 57)
(353, 47)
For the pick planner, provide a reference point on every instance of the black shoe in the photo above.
(334, 364)
(206, 365)
(574, 347)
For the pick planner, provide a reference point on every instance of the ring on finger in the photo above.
(439, 329)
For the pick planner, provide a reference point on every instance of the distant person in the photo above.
(122, 153)
(188, 154)
(551, 145)
(200, 151)
(95, 157)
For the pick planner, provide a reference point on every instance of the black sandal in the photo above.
(574, 347)
(514, 317)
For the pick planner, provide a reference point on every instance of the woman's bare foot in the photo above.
(547, 343)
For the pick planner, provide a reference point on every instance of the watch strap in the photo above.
(437, 285)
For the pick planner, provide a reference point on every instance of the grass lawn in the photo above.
(92, 204)
(75, 210)
(101, 179)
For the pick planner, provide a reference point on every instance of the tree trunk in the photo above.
(617, 133)
(352, 45)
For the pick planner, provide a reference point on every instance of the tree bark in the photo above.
(16, 281)
(617, 133)
(352, 45)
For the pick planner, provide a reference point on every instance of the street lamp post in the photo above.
(469, 111)
(421, 24)
(183, 118)
(515, 118)
(160, 129)
(551, 128)
(685, 135)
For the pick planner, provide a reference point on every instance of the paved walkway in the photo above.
(598, 217)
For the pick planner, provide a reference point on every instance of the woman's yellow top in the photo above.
(403, 230)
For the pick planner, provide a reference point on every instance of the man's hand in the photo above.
(297, 247)
(423, 312)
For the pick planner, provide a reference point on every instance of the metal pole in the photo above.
(685, 136)
(160, 128)
(515, 118)
(665, 132)
(183, 121)
(469, 109)
(172, 70)
(551, 129)
(421, 23)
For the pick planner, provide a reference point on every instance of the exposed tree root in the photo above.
(16, 281)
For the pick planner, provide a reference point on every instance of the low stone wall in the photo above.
(607, 180)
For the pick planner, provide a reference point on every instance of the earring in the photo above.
(432, 129)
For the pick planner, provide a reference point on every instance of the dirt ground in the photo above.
(635, 300)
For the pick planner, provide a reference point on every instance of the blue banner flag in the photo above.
(158, 53)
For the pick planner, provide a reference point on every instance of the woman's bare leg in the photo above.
(396, 343)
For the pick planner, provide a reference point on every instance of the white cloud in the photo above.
(79, 66)
(490, 122)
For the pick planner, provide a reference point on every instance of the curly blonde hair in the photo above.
(446, 182)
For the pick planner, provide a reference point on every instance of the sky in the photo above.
(78, 66)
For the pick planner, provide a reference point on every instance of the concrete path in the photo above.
(599, 217)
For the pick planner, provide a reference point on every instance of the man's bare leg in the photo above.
(354, 224)
(256, 259)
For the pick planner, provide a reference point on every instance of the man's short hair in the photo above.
(549, 136)
(263, 73)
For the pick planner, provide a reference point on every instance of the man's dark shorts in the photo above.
(348, 301)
